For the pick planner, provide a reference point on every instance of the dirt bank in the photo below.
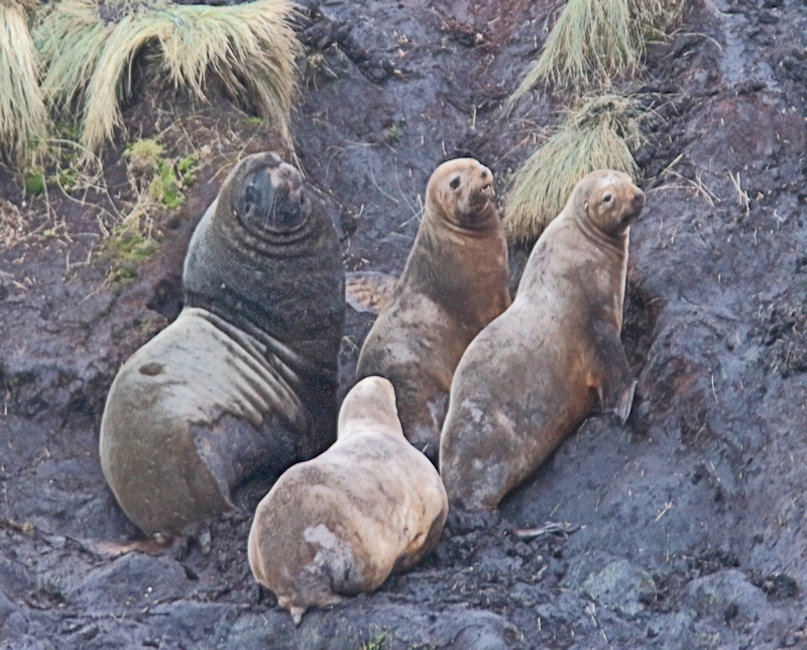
(682, 528)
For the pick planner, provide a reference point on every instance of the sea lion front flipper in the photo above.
(617, 384)
(369, 291)
(625, 403)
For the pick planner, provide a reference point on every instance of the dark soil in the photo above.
(682, 529)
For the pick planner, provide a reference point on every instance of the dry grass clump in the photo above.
(596, 40)
(23, 118)
(599, 133)
(88, 48)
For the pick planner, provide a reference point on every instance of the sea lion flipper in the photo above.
(625, 403)
(297, 614)
(617, 384)
(369, 291)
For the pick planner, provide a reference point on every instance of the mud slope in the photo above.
(681, 529)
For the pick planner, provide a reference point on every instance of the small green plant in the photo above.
(127, 249)
(164, 177)
(66, 178)
(379, 642)
(186, 169)
(171, 179)
(598, 134)
(253, 122)
(144, 155)
(34, 181)
(165, 186)
(394, 132)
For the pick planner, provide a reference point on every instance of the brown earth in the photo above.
(681, 529)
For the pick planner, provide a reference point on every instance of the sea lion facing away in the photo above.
(454, 283)
(534, 373)
(340, 523)
(243, 383)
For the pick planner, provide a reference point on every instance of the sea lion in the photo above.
(534, 373)
(454, 283)
(339, 524)
(243, 383)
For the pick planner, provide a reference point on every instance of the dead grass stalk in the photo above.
(594, 41)
(23, 117)
(88, 50)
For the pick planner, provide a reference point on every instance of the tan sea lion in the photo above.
(339, 524)
(243, 383)
(532, 375)
(454, 283)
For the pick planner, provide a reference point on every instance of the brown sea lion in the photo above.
(339, 524)
(454, 283)
(532, 375)
(243, 383)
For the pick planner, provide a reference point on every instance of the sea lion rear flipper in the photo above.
(369, 291)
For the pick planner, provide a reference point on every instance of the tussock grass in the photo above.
(23, 117)
(88, 49)
(599, 133)
(594, 41)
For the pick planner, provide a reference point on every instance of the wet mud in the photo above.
(681, 529)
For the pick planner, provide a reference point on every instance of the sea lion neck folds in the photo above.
(245, 268)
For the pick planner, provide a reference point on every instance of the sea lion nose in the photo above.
(637, 202)
(487, 179)
(290, 206)
(289, 175)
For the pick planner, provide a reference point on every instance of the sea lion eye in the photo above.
(455, 182)
(607, 198)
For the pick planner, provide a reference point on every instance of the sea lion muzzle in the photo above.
(273, 197)
(635, 209)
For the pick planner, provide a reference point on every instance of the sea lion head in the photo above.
(370, 401)
(266, 196)
(608, 201)
(461, 192)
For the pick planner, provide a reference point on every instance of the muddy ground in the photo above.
(681, 529)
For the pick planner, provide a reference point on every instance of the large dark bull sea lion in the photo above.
(532, 375)
(339, 524)
(243, 383)
(454, 283)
